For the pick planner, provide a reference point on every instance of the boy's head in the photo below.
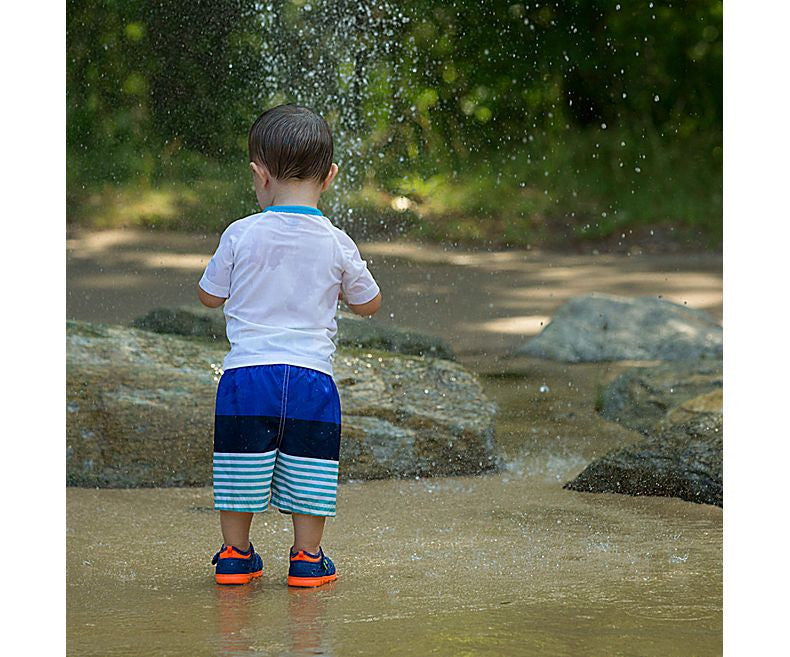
(290, 146)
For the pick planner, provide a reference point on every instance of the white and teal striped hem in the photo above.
(250, 482)
(242, 482)
(305, 485)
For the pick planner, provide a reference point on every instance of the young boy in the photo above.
(280, 274)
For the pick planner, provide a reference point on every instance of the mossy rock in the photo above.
(352, 331)
(140, 411)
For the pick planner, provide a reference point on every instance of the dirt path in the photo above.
(483, 303)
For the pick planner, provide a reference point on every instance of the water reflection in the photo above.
(233, 614)
(245, 630)
(307, 613)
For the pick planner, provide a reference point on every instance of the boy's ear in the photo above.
(260, 171)
(329, 177)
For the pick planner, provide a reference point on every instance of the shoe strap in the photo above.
(301, 555)
(230, 552)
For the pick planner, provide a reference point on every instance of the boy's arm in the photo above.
(209, 299)
(367, 309)
(213, 288)
(358, 288)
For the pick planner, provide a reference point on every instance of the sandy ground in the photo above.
(484, 303)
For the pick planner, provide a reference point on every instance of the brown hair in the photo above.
(292, 142)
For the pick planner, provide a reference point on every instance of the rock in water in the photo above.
(681, 457)
(352, 331)
(602, 327)
(194, 322)
(356, 332)
(140, 411)
(642, 396)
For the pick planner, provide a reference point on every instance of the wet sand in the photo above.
(500, 565)
(504, 564)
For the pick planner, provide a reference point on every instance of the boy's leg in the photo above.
(304, 481)
(309, 566)
(307, 532)
(246, 425)
(236, 529)
(237, 562)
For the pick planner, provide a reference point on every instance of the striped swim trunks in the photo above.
(276, 439)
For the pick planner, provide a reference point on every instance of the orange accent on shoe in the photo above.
(237, 578)
(231, 552)
(311, 581)
(302, 556)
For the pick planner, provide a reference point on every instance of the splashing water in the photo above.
(336, 56)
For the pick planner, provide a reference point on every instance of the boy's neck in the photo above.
(296, 192)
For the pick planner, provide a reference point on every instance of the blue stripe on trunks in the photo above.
(258, 391)
(287, 503)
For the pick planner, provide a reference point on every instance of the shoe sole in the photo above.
(311, 581)
(237, 578)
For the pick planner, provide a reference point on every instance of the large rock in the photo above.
(642, 396)
(140, 411)
(352, 331)
(602, 327)
(681, 457)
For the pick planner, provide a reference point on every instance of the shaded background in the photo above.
(485, 123)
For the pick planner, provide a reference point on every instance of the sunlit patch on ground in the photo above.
(524, 325)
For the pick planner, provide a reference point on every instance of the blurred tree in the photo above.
(170, 71)
(414, 89)
(107, 68)
(468, 74)
(482, 74)
(206, 71)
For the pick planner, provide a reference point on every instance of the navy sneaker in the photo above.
(310, 569)
(237, 567)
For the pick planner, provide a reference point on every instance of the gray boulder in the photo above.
(642, 396)
(681, 457)
(602, 327)
(140, 411)
(352, 331)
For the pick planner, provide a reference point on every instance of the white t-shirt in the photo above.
(281, 271)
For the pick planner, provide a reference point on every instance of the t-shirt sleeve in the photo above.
(357, 284)
(216, 278)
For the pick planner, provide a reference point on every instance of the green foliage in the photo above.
(495, 120)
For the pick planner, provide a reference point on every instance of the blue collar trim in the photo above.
(295, 209)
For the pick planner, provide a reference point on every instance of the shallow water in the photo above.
(505, 564)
